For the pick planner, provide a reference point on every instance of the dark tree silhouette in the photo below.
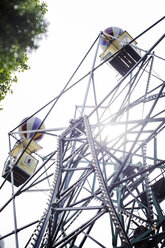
(22, 24)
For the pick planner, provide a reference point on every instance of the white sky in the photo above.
(73, 27)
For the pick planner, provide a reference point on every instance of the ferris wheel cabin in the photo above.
(21, 162)
(117, 51)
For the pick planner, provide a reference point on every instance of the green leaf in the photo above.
(22, 24)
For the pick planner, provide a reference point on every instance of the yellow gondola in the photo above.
(21, 162)
(113, 39)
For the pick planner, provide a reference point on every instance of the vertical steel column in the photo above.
(155, 149)
(91, 76)
(13, 196)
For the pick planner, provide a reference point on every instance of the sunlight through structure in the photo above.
(102, 175)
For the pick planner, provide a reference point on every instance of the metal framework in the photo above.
(107, 170)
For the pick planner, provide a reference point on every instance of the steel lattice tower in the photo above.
(107, 184)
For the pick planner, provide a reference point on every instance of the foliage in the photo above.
(22, 24)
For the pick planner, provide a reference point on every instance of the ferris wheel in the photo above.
(105, 171)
